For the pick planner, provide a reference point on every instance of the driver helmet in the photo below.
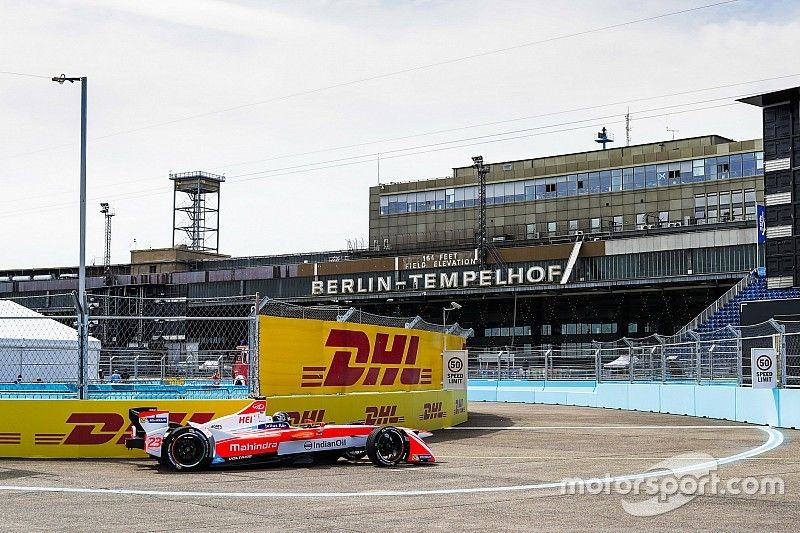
(280, 416)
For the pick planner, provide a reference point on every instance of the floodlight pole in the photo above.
(83, 318)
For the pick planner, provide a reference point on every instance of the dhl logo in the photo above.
(432, 411)
(312, 416)
(379, 366)
(379, 415)
(460, 406)
(102, 428)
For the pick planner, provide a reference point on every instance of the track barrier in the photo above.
(774, 407)
(98, 428)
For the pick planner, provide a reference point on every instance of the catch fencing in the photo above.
(150, 347)
(721, 357)
(196, 348)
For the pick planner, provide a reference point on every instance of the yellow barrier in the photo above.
(98, 428)
(299, 356)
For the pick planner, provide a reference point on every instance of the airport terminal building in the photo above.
(586, 246)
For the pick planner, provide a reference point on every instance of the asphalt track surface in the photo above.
(487, 479)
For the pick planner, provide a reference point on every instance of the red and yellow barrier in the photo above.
(298, 356)
(98, 428)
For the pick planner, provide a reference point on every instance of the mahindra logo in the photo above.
(381, 365)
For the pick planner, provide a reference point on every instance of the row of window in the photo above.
(566, 329)
(727, 206)
(518, 331)
(621, 179)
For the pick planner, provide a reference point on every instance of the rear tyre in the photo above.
(187, 449)
(386, 446)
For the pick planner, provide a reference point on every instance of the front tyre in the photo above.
(187, 449)
(386, 446)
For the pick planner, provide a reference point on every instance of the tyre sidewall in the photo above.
(169, 458)
(372, 440)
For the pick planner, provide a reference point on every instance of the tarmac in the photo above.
(501, 471)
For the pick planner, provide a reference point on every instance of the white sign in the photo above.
(455, 369)
(441, 280)
(764, 369)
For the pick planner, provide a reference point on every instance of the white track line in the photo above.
(532, 428)
(775, 439)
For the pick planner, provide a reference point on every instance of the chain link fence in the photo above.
(721, 356)
(138, 347)
(334, 313)
(150, 347)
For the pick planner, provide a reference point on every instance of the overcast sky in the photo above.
(249, 88)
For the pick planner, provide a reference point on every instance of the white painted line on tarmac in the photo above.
(774, 439)
(533, 428)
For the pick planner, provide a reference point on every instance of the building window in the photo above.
(750, 204)
(700, 207)
(663, 218)
(723, 168)
(550, 187)
(547, 329)
(633, 327)
(712, 208)
(641, 220)
(530, 231)
(595, 225)
(573, 227)
(725, 207)
(618, 223)
(551, 229)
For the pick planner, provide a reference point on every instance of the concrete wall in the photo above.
(777, 407)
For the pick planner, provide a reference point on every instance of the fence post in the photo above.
(739, 355)
(782, 347)
(597, 362)
(597, 365)
(630, 363)
(252, 351)
(546, 354)
(163, 367)
(136, 367)
(662, 343)
(698, 361)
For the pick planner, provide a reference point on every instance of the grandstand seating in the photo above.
(729, 314)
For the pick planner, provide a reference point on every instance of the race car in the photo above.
(253, 436)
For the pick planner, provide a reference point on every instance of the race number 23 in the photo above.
(153, 441)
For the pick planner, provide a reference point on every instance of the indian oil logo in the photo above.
(358, 362)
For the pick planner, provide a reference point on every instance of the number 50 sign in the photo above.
(764, 370)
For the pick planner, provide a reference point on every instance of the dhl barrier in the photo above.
(98, 428)
(302, 356)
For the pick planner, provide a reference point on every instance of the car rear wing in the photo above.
(138, 430)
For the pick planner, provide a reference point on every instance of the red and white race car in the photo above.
(252, 436)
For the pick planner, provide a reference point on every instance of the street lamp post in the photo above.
(452, 307)
(83, 319)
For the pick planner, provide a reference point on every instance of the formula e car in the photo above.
(253, 436)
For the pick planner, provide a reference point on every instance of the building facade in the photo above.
(590, 246)
(687, 182)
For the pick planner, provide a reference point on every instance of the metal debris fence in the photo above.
(150, 347)
(721, 357)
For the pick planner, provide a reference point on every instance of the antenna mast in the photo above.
(628, 127)
(108, 213)
(673, 131)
